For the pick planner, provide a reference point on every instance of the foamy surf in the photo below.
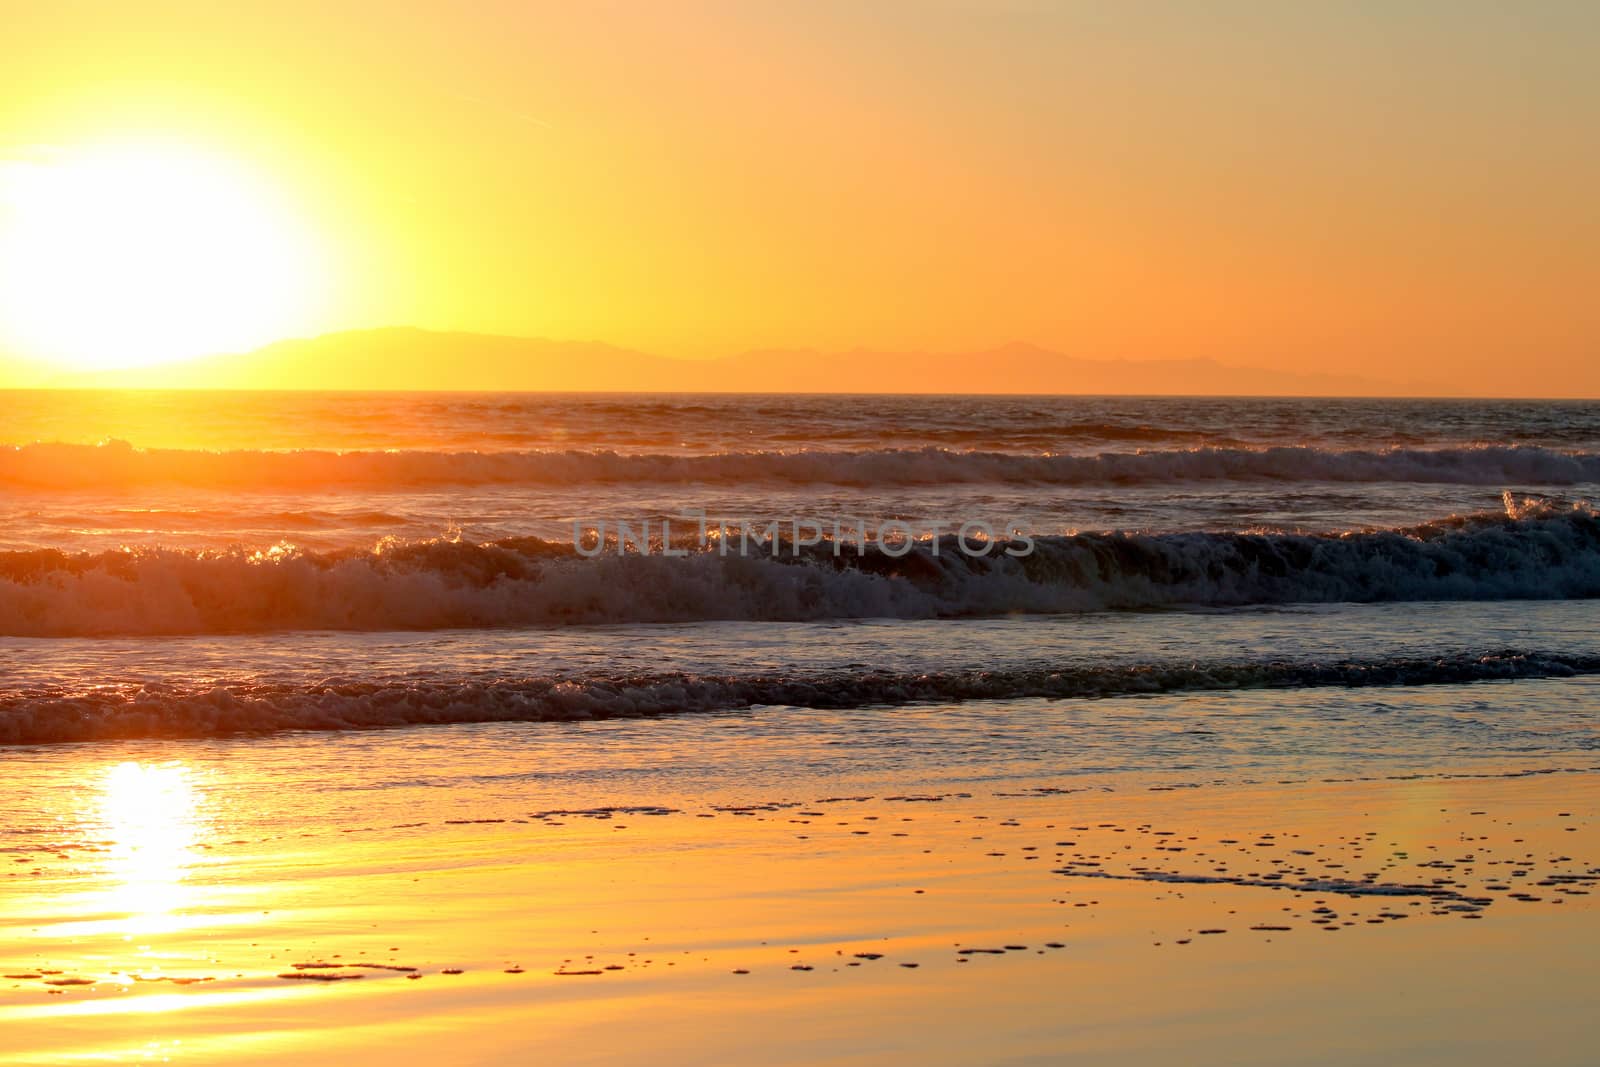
(1536, 551)
(45, 715)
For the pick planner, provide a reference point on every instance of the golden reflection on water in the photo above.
(150, 814)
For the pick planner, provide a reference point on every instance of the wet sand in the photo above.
(1430, 919)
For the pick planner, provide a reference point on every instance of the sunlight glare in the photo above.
(130, 253)
(150, 815)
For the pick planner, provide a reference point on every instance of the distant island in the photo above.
(408, 358)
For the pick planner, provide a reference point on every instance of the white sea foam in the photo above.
(45, 715)
(1537, 551)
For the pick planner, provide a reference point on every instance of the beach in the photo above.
(242, 911)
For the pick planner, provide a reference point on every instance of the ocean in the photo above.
(205, 565)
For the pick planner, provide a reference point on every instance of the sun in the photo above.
(127, 253)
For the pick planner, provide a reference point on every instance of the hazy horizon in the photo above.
(415, 359)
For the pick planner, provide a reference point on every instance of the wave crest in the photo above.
(108, 712)
(1539, 551)
(119, 464)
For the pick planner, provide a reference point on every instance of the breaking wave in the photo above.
(149, 711)
(1537, 550)
(119, 464)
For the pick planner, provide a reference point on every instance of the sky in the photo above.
(1392, 189)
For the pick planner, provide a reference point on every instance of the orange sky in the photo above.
(1403, 191)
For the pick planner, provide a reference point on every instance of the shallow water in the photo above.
(985, 882)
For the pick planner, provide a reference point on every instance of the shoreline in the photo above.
(585, 919)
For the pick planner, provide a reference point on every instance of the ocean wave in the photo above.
(119, 464)
(1535, 551)
(163, 711)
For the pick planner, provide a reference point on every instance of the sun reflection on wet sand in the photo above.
(957, 921)
(150, 814)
